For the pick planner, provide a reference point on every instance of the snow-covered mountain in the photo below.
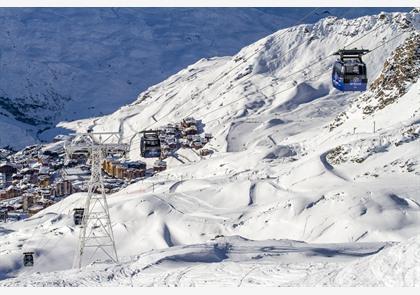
(294, 160)
(72, 63)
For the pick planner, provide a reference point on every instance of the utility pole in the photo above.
(96, 230)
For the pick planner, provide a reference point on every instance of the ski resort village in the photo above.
(41, 175)
(294, 161)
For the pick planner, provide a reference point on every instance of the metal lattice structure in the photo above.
(96, 231)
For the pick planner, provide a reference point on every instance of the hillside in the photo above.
(71, 63)
(278, 171)
(237, 262)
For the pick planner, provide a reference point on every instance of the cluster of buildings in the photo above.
(40, 175)
(124, 169)
(186, 134)
(31, 180)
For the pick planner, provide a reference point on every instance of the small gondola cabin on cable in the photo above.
(78, 215)
(349, 71)
(150, 144)
(28, 259)
(3, 215)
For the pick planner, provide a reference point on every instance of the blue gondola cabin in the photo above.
(349, 71)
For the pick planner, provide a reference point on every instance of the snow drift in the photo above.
(278, 171)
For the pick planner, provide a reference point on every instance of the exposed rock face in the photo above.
(400, 71)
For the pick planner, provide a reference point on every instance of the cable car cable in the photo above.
(281, 91)
(229, 71)
(205, 114)
(322, 59)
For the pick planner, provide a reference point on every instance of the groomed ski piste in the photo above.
(307, 186)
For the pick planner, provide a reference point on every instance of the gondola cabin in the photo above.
(3, 215)
(349, 71)
(150, 144)
(28, 259)
(78, 215)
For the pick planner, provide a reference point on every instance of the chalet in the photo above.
(44, 181)
(75, 174)
(30, 177)
(196, 144)
(122, 170)
(184, 142)
(162, 136)
(44, 170)
(188, 122)
(49, 153)
(171, 142)
(204, 140)
(165, 147)
(159, 165)
(132, 170)
(44, 202)
(205, 152)
(108, 165)
(189, 131)
(3, 215)
(46, 194)
(178, 126)
(2, 180)
(164, 154)
(196, 137)
(15, 207)
(34, 209)
(170, 129)
(63, 188)
(119, 171)
(75, 160)
(43, 159)
(134, 173)
(8, 169)
(29, 171)
(4, 153)
(137, 165)
(7, 208)
(9, 193)
(27, 201)
(17, 176)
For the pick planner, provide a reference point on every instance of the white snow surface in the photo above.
(269, 184)
(71, 63)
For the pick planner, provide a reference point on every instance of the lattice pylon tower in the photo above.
(96, 231)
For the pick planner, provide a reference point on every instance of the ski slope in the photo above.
(298, 202)
(237, 262)
(72, 63)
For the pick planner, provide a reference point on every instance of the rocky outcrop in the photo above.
(400, 71)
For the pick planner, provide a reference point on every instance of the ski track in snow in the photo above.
(279, 176)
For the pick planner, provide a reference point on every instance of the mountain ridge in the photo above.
(272, 179)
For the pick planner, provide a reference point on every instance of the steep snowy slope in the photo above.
(278, 171)
(61, 64)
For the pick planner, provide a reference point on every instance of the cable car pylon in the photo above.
(96, 230)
